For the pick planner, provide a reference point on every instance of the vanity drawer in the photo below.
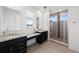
(20, 47)
(5, 50)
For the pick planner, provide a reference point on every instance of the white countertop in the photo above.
(41, 30)
(30, 35)
(5, 38)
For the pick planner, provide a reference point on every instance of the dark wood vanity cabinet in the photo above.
(42, 37)
(18, 45)
(5, 50)
(19, 48)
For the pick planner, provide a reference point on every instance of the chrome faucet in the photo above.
(5, 33)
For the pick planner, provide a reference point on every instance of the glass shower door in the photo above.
(59, 26)
(53, 26)
(64, 26)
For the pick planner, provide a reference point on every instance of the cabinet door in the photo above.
(38, 39)
(45, 35)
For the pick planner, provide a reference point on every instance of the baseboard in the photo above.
(59, 42)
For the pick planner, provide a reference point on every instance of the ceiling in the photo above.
(51, 8)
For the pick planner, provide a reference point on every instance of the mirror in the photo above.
(29, 21)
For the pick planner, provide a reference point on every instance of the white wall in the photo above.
(7, 16)
(11, 19)
(1, 20)
(73, 28)
(39, 14)
(46, 18)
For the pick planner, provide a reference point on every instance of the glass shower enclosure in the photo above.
(59, 26)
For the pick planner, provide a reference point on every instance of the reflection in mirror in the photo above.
(29, 21)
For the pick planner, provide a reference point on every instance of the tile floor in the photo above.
(49, 47)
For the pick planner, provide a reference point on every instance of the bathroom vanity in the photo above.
(42, 37)
(18, 43)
